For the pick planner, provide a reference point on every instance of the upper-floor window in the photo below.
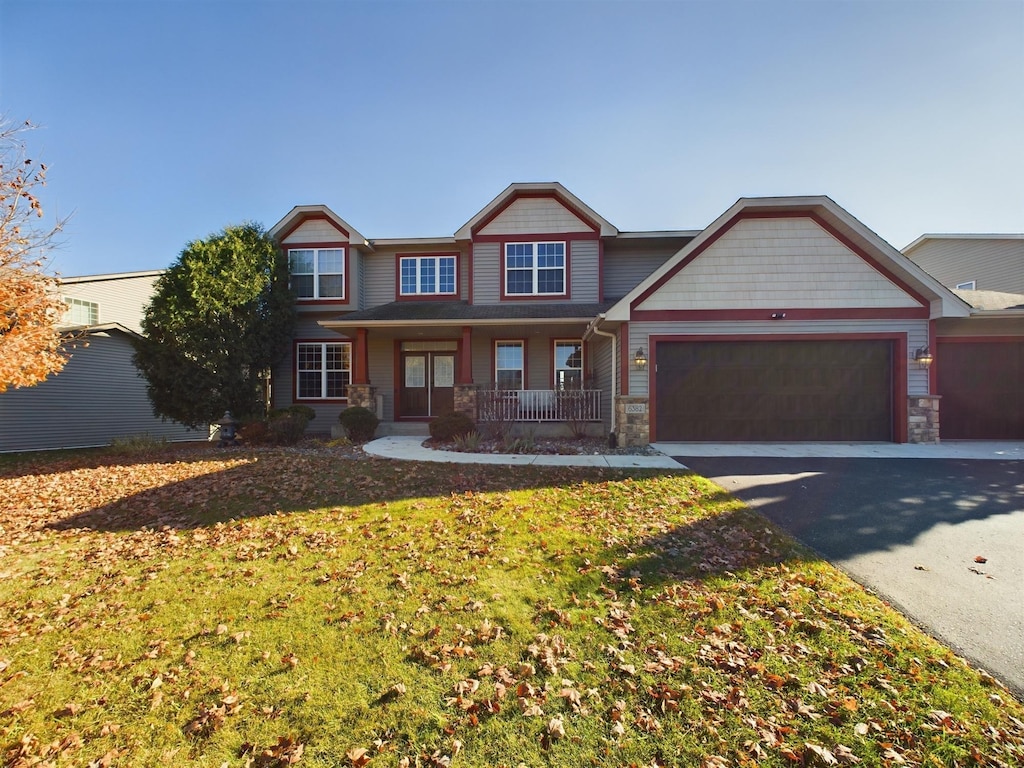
(426, 275)
(323, 370)
(970, 285)
(82, 312)
(317, 273)
(535, 269)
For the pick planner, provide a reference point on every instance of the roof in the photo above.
(606, 228)
(962, 236)
(111, 276)
(461, 312)
(944, 302)
(88, 330)
(989, 301)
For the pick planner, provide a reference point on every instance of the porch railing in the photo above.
(539, 405)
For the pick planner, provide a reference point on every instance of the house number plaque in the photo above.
(636, 407)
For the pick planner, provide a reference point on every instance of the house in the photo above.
(785, 319)
(981, 375)
(98, 396)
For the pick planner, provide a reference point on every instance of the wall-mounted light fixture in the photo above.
(923, 357)
(778, 315)
(640, 359)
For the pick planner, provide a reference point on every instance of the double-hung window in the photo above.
(323, 370)
(535, 269)
(509, 365)
(568, 365)
(81, 312)
(426, 275)
(317, 273)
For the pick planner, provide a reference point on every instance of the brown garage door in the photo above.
(982, 388)
(774, 390)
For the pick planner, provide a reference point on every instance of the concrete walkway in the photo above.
(411, 449)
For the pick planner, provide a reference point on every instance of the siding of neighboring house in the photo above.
(96, 398)
(121, 298)
(995, 264)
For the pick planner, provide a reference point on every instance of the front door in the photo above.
(427, 384)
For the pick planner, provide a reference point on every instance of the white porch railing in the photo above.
(539, 405)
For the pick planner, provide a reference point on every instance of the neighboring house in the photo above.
(785, 319)
(980, 363)
(98, 396)
(972, 262)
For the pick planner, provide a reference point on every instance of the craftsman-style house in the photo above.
(786, 319)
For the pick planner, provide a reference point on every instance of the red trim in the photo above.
(295, 371)
(977, 339)
(799, 214)
(899, 366)
(399, 296)
(848, 313)
(345, 282)
(466, 356)
(302, 219)
(397, 394)
(566, 296)
(505, 205)
(361, 358)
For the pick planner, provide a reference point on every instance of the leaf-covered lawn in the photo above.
(282, 607)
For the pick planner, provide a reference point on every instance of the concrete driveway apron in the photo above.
(941, 538)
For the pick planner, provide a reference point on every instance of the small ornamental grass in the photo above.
(273, 608)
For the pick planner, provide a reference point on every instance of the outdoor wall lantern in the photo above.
(923, 357)
(640, 359)
(228, 430)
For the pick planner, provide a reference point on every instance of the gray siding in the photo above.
(283, 375)
(379, 280)
(995, 264)
(628, 262)
(98, 396)
(584, 263)
(916, 331)
(486, 273)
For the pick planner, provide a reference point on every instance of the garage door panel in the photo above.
(774, 390)
(982, 389)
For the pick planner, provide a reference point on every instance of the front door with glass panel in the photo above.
(427, 383)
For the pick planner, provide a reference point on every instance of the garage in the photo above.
(982, 387)
(774, 390)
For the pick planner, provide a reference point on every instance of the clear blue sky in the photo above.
(167, 120)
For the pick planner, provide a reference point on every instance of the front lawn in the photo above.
(278, 607)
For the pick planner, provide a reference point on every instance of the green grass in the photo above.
(211, 608)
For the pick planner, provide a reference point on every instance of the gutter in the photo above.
(593, 329)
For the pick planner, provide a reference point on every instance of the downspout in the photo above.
(592, 328)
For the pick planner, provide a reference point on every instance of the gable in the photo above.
(316, 230)
(773, 263)
(533, 215)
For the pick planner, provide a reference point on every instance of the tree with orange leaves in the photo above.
(31, 346)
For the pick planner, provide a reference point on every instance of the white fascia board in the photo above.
(393, 242)
(110, 276)
(961, 236)
(299, 211)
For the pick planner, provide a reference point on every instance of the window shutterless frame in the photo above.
(323, 370)
(428, 275)
(509, 364)
(317, 273)
(535, 269)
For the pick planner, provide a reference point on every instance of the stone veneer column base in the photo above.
(923, 419)
(364, 396)
(465, 400)
(632, 421)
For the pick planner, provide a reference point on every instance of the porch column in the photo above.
(361, 358)
(466, 356)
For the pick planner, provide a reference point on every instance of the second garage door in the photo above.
(726, 391)
(982, 388)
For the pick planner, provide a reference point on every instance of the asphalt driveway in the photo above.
(942, 539)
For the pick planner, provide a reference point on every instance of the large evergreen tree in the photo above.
(221, 316)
